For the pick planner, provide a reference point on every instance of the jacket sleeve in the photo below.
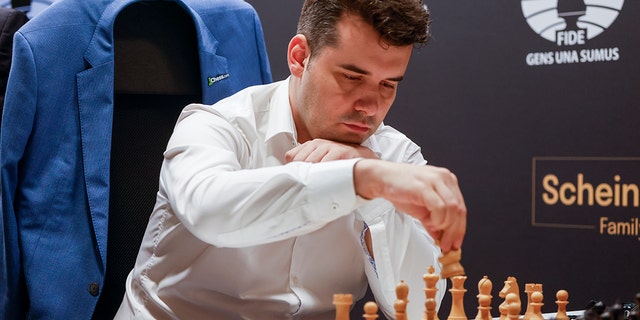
(17, 122)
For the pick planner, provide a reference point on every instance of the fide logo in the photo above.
(570, 22)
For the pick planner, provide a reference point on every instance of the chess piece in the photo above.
(457, 293)
(512, 301)
(370, 311)
(430, 313)
(484, 299)
(562, 297)
(430, 280)
(402, 291)
(615, 312)
(593, 310)
(536, 305)
(343, 303)
(510, 286)
(635, 313)
(400, 305)
(530, 288)
(451, 264)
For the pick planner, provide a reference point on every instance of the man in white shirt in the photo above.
(276, 198)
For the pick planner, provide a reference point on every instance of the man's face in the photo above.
(345, 92)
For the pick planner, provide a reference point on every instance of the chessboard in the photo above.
(511, 307)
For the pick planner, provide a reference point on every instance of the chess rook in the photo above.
(343, 304)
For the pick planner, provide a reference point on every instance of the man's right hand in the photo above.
(319, 150)
(430, 194)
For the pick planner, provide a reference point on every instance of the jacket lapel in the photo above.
(95, 103)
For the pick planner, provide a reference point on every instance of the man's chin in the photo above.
(349, 138)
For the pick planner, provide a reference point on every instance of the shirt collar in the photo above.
(280, 114)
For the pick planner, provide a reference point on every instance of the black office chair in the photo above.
(157, 73)
(10, 21)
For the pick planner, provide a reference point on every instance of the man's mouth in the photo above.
(358, 127)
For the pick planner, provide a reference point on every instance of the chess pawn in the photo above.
(457, 293)
(343, 303)
(562, 297)
(536, 306)
(370, 311)
(529, 289)
(430, 280)
(484, 299)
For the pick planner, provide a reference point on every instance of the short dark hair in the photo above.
(399, 22)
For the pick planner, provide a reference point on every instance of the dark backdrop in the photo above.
(504, 108)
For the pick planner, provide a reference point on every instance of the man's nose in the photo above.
(368, 102)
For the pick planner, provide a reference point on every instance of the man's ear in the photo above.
(298, 54)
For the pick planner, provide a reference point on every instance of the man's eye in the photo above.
(350, 77)
(388, 85)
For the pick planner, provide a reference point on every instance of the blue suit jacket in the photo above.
(55, 143)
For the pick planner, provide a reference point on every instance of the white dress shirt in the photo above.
(238, 234)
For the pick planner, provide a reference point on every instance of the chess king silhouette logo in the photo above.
(570, 22)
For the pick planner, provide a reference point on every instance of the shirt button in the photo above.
(335, 206)
(295, 280)
(94, 289)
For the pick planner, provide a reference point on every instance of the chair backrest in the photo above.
(10, 21)
(157, 74)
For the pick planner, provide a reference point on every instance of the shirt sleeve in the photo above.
(223, 203)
